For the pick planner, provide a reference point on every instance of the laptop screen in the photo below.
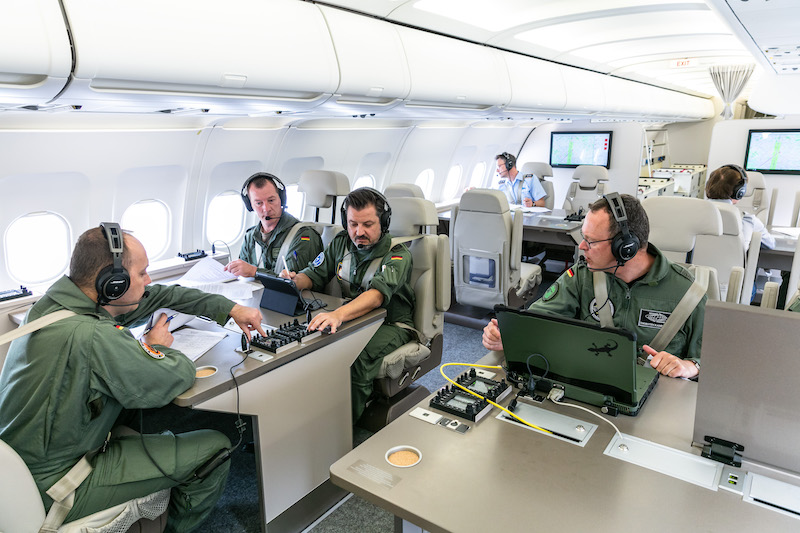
(579, 354)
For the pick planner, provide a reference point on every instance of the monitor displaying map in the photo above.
(568, 149)
(773, 151)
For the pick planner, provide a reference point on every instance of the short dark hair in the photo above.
(721, 183)
(91, 255)
(364, 197)
(638, 223)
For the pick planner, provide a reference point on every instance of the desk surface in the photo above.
(223, 356)
(502, 477)
(782, 255)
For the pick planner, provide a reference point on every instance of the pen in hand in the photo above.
(151, 327)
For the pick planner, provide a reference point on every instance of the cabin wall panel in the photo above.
(626, 148)
(117, 168)
(228, 158)
(728, 145)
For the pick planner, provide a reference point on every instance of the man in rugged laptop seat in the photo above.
(261, 250)
(642, 291)
(374, 274)
(63, 386)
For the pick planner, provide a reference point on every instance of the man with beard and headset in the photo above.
(642, 284)
(374, 274)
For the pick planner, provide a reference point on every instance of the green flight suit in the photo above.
(392, 279)
(641, 307)
(63, 387)
(305, 246)
(795, 307)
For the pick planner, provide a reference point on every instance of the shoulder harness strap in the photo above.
(601, 295)
(37, 324)
(682, 311)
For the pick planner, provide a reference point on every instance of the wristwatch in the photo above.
(697, 365)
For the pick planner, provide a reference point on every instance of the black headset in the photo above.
(112, 281)
(381, 204)
(275, 181)
(740, 189)
(625, 244)
(510, 160)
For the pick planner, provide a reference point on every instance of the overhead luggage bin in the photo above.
(240, 57)
(453, 76)
(373, 72)
(536, 86)
(585, 93)
(35, 56)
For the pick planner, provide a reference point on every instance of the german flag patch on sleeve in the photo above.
(397, 257)
(570, 273)
(305, 238)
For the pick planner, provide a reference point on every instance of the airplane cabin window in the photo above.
(29, 259)
(148, 221)
(478, 174)
(295, 201)
(451, 186)
(425, 181)
(225, 220)
(367, 180)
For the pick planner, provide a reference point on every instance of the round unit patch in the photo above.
(152, 352)
(593, 309)
(551, 291)
(319, 259)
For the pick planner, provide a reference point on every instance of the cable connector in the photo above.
(555, 394)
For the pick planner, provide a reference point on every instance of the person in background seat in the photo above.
(519, 191)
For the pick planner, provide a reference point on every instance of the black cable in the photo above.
(147, 452)
(240, 424)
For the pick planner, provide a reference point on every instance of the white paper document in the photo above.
(206, 271)
(194, 342)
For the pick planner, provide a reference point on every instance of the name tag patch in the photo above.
(649, 318)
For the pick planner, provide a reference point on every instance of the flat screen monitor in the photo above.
(773, 151)
(568, 149)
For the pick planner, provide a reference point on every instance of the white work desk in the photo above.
(300, 403)
(503, 477)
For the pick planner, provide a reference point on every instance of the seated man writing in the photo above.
(266, 195)
(371, 272)
(64, 385)
(643, 287)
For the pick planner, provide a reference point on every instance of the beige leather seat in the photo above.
(487, 248)
(541, 170)
(322, 188)
(403, 190)
(585, 188)
(431, 282)
(22, 510)
(756, 201)
(683, 229)
(726, 251)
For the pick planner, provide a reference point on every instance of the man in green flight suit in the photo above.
(643, 291)
(63, 387)
(266, 195)
(365, 246)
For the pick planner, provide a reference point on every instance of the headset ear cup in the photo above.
(111, 284)
(624, 248)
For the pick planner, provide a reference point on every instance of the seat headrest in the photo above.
(731, 218)
(541, 170)
(409, 215)
(322, 186)
(483, 200)
(589, 175)
(675, 221)
(755, 180)
(403, 190)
